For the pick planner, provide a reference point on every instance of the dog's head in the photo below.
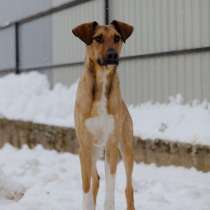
(104, 42)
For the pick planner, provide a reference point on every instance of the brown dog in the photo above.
(102, 119)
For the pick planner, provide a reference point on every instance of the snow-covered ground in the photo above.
(52, 182)
(28, 97)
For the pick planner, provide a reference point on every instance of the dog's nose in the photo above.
(111, 57)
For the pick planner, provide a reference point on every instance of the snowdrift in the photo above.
(28, 97)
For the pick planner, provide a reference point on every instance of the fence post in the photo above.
(106, 11)
(17, 50)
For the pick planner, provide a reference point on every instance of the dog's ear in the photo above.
(85, 31)
(124, 29)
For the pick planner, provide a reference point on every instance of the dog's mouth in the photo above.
(111, 58)
(108, 62)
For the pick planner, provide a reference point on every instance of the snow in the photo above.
(52, 182)
(29, 97)
(174, 122)
(9, 188)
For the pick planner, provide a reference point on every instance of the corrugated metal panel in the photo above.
(205, 76)
(36, 43)
(67, 75)
(158, 78)
(162, 25)
(7, 50)
(12, 10)
(59, 2)
(66, 47)
(205, 16)
(179, 7)
(49, 40)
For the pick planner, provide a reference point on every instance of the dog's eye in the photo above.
(99, 39)
(116, 39)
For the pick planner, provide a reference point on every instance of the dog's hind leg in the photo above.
(128, 159)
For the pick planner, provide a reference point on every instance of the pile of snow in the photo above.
(10, 189)
(28, 97)
(52, 182)
(174, 121)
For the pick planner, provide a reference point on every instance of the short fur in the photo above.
(102, 120)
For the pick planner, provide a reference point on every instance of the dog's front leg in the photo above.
(111, 159)
(86, 165)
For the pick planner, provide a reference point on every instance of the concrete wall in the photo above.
(62, 139)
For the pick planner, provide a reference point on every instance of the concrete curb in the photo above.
(159, 152)
(165, 153)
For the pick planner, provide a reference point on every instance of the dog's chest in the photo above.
(101, 126)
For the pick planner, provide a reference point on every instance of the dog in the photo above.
(102, 120)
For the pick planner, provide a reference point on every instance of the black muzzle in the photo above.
(111, 58)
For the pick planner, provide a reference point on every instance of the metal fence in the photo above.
(15, 37)
(153, 62)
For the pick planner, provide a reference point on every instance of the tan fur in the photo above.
(88, 94)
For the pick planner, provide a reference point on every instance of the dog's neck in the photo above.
(102, 79)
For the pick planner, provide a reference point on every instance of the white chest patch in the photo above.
(101, 126)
